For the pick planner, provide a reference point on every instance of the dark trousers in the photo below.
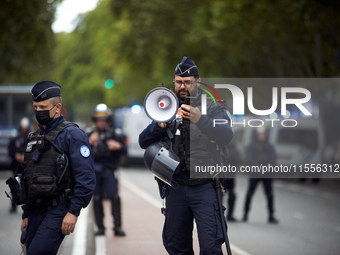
(267, 186)
(183, 204)
(106, 184)
(228, 185)
(44, 234)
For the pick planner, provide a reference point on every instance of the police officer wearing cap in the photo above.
(107, 143)
(57, 171)
(189, 198)
(16, 149)
(261, 152)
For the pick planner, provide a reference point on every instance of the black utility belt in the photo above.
(47, 204)
(194, 182)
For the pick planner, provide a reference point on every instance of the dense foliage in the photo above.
(26, 40)
(138, 44)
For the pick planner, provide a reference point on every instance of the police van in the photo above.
(132, 121)
(6, 134)
(15, 103)
(301, 143)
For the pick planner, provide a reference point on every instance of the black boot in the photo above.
(231, 203)
(246, 208)
(271, 218)
(117, 220)
(99, 215)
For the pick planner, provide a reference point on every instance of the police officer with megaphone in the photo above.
(187, 197)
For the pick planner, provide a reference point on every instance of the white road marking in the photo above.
(124, 180)
(101, 245)
(80, 231)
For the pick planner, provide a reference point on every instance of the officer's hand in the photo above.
(19, 157)
(113, 145)
(69, 223)
(24, 223)
(94, 137)
(161, 124)
(191, 113)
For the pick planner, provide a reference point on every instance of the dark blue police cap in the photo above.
(44, 90)
(186, 68)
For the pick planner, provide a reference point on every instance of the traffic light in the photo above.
(109, 83)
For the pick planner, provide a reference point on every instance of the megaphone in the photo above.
(161, 160)
(161, 104)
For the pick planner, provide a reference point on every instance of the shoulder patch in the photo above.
(85, 151)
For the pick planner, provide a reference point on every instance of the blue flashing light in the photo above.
(273, 116)
(135, 109)
(287, 115)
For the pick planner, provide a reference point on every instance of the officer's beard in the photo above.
(182, 94)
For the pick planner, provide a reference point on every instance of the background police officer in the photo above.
(69, 177)
(233, 159)
(107, 143)
(16, 149)
(261, 152)
(190, 198)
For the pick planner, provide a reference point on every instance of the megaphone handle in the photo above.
(169, 133)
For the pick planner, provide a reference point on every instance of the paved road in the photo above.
(10, 225)
(308, 214)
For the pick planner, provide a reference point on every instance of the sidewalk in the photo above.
(143, 224)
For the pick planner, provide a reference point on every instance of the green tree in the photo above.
(84, 61)
(26, 40)
(138, 44)
(238, 38)
(286, 38)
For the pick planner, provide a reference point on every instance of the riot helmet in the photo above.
(161, 160)
(102, 112)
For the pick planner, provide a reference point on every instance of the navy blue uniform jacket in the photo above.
(70, 140)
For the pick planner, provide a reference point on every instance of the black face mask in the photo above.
(43, 117)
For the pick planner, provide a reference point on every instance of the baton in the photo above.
(223, 223)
